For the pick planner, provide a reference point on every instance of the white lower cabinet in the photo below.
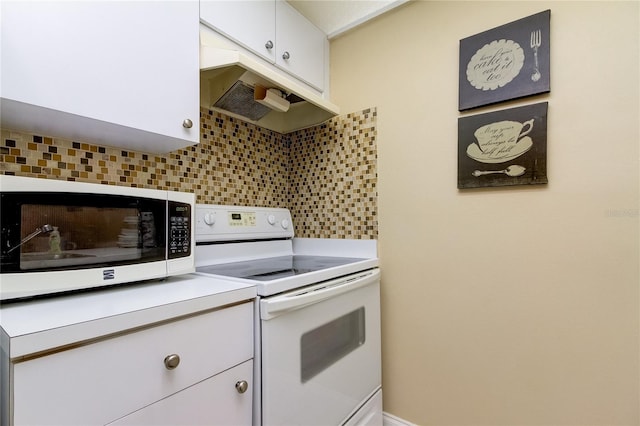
(224, 399)
(178, 372)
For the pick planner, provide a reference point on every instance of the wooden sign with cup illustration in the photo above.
(503, 148)
(501, 141)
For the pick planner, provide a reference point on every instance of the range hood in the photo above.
(231, 80)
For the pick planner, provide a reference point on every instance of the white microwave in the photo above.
(60, 236)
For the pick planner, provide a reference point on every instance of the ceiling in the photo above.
(335, 17)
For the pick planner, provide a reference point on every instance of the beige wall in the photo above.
(517, 305)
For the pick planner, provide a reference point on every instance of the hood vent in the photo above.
(254, 102)
(238, 85)
(239, 99)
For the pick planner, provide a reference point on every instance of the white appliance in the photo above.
(59, 236)
(318, 316)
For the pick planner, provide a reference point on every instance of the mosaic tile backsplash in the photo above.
(333, 178)
(326, 175)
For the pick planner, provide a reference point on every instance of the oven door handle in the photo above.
(278, 305)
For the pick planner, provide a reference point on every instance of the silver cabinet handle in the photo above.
(242, 386)
(269, 45)
(187, 124)
(286, 56)
(171, 361)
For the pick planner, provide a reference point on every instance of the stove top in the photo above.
(274, 268)
(255, 245)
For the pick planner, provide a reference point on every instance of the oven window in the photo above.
(325, 345)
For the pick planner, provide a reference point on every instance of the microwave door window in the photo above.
(100, 231)
(79, 236)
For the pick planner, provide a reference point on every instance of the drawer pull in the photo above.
(242, 386)
(171, 361)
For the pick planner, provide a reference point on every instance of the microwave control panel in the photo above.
(179, 230)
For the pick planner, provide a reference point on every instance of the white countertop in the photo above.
(40, 325)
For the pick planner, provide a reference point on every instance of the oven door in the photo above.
(321, 351)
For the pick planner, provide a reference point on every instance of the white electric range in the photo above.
(317, 329)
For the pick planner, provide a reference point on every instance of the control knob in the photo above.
(284, 223)
(271, 219)
(209, 219)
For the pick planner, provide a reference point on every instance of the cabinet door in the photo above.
(215, 401)
(132, 64)
(300, 45)
(103, 381)
(249, 23)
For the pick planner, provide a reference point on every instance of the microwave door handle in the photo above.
(272, 307)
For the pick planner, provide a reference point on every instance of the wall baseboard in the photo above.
(391, 420)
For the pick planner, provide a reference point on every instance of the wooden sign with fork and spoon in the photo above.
(507, 62)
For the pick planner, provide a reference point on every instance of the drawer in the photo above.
(105, 380)
(215, 401)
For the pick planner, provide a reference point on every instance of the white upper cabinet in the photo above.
(117, 73)
(252, 23)
(300, 45)
(273, 30)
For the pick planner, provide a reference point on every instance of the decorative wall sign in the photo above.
(502, 148)
(507, 62)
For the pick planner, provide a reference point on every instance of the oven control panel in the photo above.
(224, 223)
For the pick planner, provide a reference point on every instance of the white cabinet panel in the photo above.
(128, 70)
(250, 23)
(302, 43)
(103, 381)
(215, 401)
